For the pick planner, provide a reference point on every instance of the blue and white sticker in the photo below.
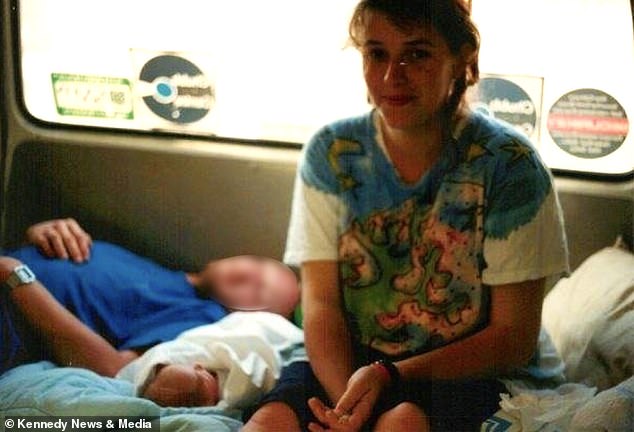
(506, 100)
(175, 89)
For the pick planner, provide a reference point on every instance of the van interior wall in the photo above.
(182, 209)
(594, 221)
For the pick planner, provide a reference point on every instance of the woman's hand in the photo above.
(61, 238)
(356, 404)
(329, 419)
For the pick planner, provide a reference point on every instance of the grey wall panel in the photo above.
(594, 222)
(177, 207)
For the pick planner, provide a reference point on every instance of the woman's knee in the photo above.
(404, 417)
(273, 416)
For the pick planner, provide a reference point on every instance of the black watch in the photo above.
(21, 275)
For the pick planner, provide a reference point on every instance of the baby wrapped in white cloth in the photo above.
(230, 363)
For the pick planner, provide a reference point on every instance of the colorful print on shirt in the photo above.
(411, 255)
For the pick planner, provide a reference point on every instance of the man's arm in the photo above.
(69, 341)
(327, 336)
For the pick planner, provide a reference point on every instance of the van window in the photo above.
(559, 70)
(271, 70)
(563, 72)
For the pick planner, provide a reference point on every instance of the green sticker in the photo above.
(92, 96)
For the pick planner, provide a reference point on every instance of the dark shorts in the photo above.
(450, 405)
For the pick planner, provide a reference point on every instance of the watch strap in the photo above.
(21, 275)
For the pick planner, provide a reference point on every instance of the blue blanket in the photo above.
(43, 389)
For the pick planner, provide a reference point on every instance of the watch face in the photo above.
(24, 274)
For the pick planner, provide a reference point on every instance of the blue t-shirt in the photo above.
(129, 300)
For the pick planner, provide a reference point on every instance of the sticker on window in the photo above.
(513, 99)
(92, 96)
(174, 88)
(588, 123)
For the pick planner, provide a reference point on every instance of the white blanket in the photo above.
(247, 350)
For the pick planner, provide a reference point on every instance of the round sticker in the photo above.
(505, 100)
(180, 92)
(588, 123)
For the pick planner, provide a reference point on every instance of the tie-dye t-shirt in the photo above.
(415, 259)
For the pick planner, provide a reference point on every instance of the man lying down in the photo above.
(98, 306)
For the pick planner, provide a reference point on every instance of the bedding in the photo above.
(590, 318)
(611, 410)
(43, 389)
(246, 349)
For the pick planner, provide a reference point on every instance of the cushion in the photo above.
(590, 318)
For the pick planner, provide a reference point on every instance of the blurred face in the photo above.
(409, 73)
(249, 282)
(183, 386)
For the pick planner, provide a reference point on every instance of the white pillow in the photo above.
(590, 318)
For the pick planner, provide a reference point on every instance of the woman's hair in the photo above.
(450, 18)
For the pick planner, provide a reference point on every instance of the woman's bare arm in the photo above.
(325, 328)
(506, 343)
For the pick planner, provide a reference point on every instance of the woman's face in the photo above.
(409, 73)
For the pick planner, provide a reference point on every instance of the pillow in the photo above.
(590, 318)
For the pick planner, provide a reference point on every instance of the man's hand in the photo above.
(355, 406)
(61, 238)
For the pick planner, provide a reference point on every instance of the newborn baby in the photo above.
(230, 363)
(183, 385)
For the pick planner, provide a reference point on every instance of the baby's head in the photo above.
(179, 385)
